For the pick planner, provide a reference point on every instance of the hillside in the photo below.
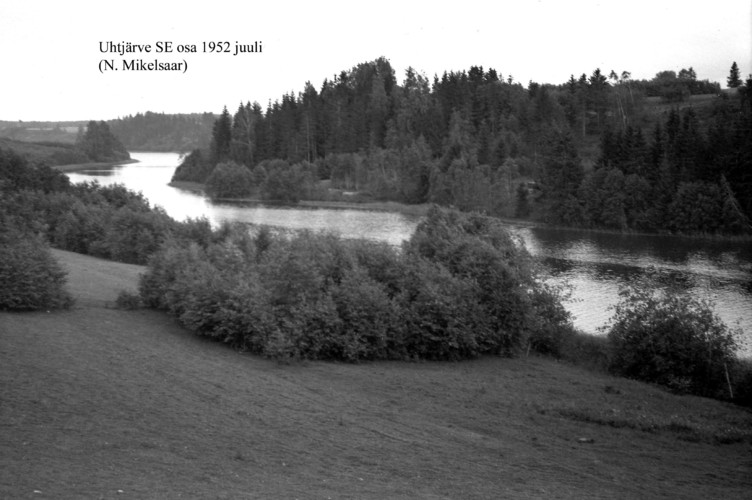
(49, 153)
(98, 401)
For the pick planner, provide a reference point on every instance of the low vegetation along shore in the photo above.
(99, 401)
(382, 206)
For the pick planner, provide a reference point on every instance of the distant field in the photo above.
(104, 403)
(49, 153)
(64, 132)
(699, 102)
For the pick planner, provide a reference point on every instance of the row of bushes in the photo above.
(40, 207)
(458, 289)
(108, 222)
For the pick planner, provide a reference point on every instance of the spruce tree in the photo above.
(733, 79)
(221, 138)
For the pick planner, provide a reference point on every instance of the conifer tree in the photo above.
(733, 79)
(221, 138)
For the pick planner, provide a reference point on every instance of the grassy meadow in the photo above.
(99, 402)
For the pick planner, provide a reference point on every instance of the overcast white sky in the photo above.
(49, 49)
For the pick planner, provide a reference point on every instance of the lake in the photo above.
(593, 264)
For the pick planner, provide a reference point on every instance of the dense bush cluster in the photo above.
(30, 278)
(460, 288)
(673, 340)
(105, 221)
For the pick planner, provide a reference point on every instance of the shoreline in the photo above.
(72, 167)
(739, 238)
(421, 210)
(374, 206)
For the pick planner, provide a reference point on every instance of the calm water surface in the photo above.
(594, 265)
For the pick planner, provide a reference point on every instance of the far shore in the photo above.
(422, 209)
(95, 164)
(380, 206)
(411, 210)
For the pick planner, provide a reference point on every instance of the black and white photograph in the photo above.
(390, 250)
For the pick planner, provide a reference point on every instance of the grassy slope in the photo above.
(34, 151)
(96, 400)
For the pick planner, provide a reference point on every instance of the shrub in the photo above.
(229, 180)
(513, 301)
(587, 350)
(161, 287)
(194, 167)
(552, 330)
(81, 228)
(671, 339)
(128, 300)
(443, 319)
(283, 182)
(30, 278)
(132, 236)
(370, 319)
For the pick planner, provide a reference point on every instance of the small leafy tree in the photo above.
(671, 339)
(229, 180)
(194, 167)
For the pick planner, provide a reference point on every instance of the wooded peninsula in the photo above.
(670, 154)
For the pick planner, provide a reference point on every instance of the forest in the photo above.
(597, 151)
(163, 132)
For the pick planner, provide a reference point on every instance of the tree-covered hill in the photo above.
(99, 144)
(50, 153)
(94, 143)
(164, 132)
(595, 151)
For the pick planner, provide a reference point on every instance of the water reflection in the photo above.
(100, 173)
(595, 266)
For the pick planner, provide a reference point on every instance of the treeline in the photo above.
(673, 87)
(164, 132)
(477, 141)
(473, 116)
(683, 177)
